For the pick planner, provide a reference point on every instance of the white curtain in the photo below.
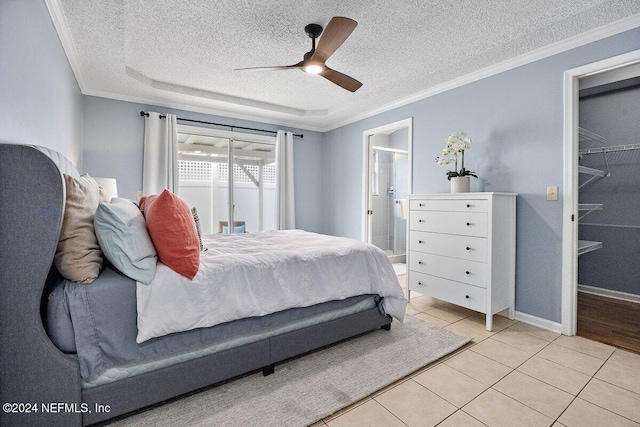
(160, 158)
(285, 203)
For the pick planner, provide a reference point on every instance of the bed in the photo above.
(58, 373)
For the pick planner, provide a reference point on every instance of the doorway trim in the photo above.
(388, 128)
(570, 183)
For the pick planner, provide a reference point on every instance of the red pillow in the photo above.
(173, 232)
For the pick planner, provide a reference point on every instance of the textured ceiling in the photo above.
(183, 52)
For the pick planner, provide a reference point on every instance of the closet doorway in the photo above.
(386, 186)
(608, 307)
(602, 191)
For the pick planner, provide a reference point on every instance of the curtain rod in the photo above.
(301, 135)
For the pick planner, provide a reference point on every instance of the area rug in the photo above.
(306, 389)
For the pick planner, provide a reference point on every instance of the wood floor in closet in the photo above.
(609, 320)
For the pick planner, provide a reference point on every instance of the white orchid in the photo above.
(455, 143)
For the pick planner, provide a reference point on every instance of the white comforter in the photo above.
(255, 274)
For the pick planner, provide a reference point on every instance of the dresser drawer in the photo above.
(460, 270)
(459, 205)
(447, 290)
(463, 247)
(463, 223)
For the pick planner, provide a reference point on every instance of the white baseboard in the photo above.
(538, 322)
(609, 293)
(557, 327)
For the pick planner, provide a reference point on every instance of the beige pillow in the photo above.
(78, 256)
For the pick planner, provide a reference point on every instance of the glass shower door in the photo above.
(388, 198)
(382, 197)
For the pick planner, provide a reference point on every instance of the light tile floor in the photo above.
(516, 375)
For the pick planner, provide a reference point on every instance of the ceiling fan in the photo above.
(314, 62)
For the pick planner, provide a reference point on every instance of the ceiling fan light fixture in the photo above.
(313, 68)
(314, 61)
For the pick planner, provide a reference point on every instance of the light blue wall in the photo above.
(398, 139)
(113, 142)
(40, 101)
(515, 119)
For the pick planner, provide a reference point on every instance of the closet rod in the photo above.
(610, 149)
(301, 135)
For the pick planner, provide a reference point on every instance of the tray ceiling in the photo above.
(182, 53)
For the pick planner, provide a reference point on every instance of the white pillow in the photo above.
(122, 233)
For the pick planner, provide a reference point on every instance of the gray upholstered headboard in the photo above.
(65, 167)
(63, 164)
(31, 212)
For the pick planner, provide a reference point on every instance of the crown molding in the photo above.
(220, 97)
(591, 36)
(62, 28)
(204, 110)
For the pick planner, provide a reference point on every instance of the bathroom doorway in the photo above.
(387, 185)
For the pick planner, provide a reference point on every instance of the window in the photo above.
(248, 195)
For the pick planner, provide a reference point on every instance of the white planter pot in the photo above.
(460, 184)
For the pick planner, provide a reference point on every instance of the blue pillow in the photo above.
(122, 233)
(238, 229)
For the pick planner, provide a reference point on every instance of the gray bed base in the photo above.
(36, 374)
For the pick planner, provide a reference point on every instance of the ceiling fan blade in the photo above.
(342, 80)
(276, 68)
(337, 31)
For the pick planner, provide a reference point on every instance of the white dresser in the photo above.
(462, 250)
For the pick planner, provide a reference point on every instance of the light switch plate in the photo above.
(552, 193)
(139, 195)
